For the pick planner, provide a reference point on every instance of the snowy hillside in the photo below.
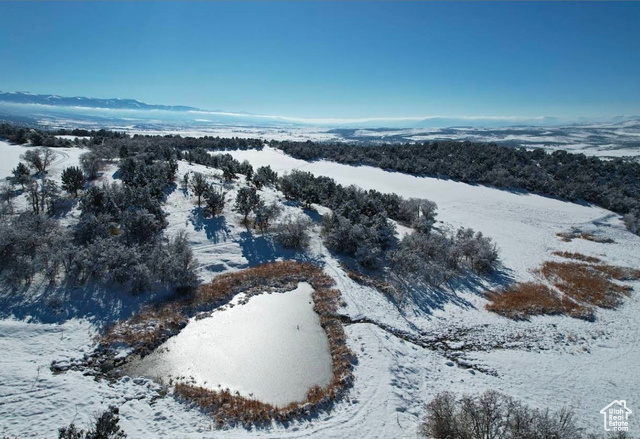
(547, 361)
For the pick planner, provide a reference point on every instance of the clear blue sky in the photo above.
(325, 59)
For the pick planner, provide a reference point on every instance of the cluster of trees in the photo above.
(436, 258)
(120, 230)
(496, 416)
(27, 243)
(21, 135)
(225, 162)
(290, 232)
(43, 194)
(191, 149)
(263, 176)
(117, 240)
(359, 226)
(613, 184)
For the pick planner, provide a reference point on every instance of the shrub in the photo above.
(106, 427)
(632, 221)
(91, 164)
(293, 232)
(21, 175)
(265, 214)
(496, 416)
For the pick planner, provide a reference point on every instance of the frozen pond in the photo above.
(271, 348)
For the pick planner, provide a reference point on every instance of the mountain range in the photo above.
(80, 107)
(21, 97)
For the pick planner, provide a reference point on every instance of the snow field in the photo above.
(546, 362)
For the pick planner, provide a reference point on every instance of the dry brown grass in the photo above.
(523, 300)
(573, 288)
(591, 284)
(150, 328)
(577, 257)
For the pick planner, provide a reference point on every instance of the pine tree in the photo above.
(72, 180)
(198, 186)
(246, 201)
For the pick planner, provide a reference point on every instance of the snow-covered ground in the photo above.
(523, 225)
(547, 362)
(10, 156)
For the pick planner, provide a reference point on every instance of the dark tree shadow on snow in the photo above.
(260, 249)
(313, 215)
(426, 298)
(169, 189)
(215, 228)
(59, 303)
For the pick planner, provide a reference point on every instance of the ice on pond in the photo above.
(272, 348)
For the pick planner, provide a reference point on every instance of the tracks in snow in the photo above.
(437, 344)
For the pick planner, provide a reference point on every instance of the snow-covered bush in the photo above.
(139, 226)
(417, 213)
(106, 427)
(632, 221)
(265, 214)
(6, 200)
(436, 257)
(246, 169)
(365, 238)
(293, 232)
(91, 164)
(494, 415)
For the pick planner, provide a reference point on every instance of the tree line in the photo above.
(613, 184)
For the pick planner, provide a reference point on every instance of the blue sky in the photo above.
(326, 59)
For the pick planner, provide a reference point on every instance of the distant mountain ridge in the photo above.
(63, 106)
(80, 101)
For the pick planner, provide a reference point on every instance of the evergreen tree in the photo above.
(214, 199)
(21, 174)
(199, 186)
(247, 200)
(72, 180)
